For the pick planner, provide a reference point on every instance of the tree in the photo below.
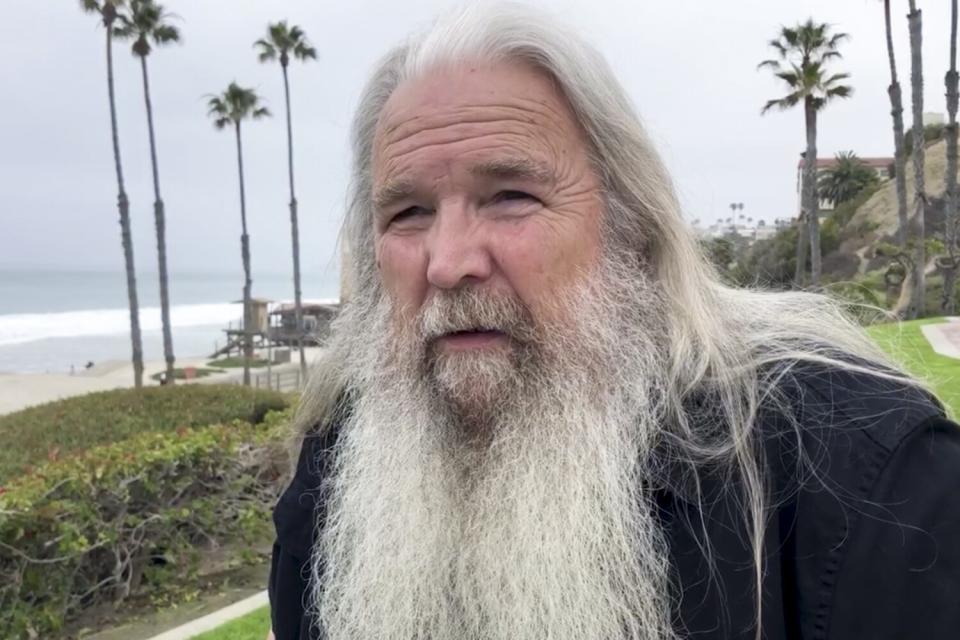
(847, 178)
(802, 55)
(232, 107)
(953, 259)
(146, 23)
(899, 153)
(282, 42)
(919, 288)
(109, 12)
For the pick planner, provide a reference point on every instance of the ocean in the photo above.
(52, 320)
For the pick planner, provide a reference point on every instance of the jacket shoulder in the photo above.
(834, 404)
(851, 432)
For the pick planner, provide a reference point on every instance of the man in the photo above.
(541, 415)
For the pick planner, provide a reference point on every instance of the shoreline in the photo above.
(22, 390)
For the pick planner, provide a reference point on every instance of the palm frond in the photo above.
(282, 40)
(836, 39)
(782, 104)
(216, 106)
(235, 104)
(779, 47)
(790, 77)
(279, 34)
(791, 37)
(303, 51)
(843, 91)
(803, 51)
(166, 33)
(126, 29)
(835, 78)
(267, 53)
(147, 21)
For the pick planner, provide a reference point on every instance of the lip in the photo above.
(469, 340)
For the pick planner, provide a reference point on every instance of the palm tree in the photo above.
(146, 23)
(919, 182)
(233, 106)
(845, 179)
(899, 155)
(803, 236)
(803, 52)
(951, 82)
(109, 11)
(280, 43)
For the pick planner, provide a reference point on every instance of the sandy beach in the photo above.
(21, 390)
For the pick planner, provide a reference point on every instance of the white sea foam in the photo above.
(19, 328)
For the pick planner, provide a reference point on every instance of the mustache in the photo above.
(472, 309)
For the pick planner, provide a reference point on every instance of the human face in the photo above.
(482, 179)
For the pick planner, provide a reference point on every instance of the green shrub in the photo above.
(235, 362)
(58, 428)
(130, 519)
(181, 374)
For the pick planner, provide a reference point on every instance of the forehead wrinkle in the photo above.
(519, 108)
(399, 129)
(510, 153)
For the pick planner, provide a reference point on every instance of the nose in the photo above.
(457, 254)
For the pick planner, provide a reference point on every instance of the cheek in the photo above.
(541, 259)
(403, 269)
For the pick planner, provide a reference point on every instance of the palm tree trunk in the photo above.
(123, 204)
(899, 158)
(948, 299)
(801, 266)
(810, 191)
(295, 231)
(951, 81)
(159, 219)
(920, 196)
(247, 282)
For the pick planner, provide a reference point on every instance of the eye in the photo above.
(409, 213)
(512, 196)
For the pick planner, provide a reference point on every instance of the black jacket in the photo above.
(863, 540)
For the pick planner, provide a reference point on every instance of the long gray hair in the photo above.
(731, 345)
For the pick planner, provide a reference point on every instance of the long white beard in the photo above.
(540, 529)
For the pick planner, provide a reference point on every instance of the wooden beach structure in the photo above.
(275, 327)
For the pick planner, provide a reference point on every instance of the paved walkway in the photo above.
(215, 619)
(944, 337)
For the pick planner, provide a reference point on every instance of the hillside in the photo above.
(876, 220)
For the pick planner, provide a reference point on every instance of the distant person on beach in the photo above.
(542, 415)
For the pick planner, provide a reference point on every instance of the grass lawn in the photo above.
(253, 626)
(906, 343)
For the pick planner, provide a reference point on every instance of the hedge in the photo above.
(131, 518)
(53, 430)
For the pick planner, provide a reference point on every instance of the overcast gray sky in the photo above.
(689, 65)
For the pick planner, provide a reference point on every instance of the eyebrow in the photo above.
(512, 169)
(393, 192)
(401, 189)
